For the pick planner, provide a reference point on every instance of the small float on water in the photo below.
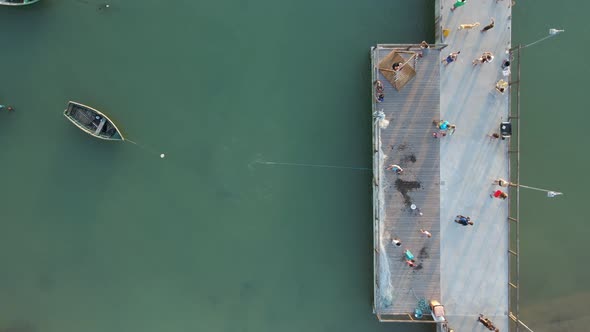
(17, 2)
(93, 122)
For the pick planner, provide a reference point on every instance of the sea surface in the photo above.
(226, 233)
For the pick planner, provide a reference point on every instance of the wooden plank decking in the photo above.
(407, 142)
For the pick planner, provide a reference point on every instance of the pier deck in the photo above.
(466, 268)
(407, 142)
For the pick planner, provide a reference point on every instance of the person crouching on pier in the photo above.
(409, 258)
(503, 183)
(425, 48)
(396, 168)
(499, 194)
(486, 57)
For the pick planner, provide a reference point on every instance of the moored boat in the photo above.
(93, 122)
(17, 2)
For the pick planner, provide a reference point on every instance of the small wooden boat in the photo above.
(92, 122)
(17, 2)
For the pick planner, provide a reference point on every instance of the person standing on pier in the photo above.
(458, 4)
(397, 242)
(489, 26)
(425, 232)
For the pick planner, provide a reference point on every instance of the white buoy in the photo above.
(162, 156)
(413, 206)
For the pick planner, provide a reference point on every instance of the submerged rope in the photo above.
(144, 147)
(312, 165)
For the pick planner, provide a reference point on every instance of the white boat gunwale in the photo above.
(89, 131)
(4, 3)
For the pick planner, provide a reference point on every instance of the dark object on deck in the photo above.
(487, 323)
(437, 311)
(506, 129)
(92, 122)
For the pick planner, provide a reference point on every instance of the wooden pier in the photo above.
(407, 141)
(465, 268)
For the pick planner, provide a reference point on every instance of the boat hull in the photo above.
(17, 2)
(92, 122)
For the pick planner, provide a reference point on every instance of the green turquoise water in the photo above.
(554, 115)
(101, 236)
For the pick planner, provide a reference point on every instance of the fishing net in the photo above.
(398, 78)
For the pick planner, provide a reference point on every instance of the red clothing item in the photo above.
(497, 193)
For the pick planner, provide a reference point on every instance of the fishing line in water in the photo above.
(311, 165)
(145, 148)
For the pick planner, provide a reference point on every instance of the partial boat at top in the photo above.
(17, 2)
(92, 122)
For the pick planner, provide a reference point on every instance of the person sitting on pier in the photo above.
(397, 66)
(501, 86)
(378, 86)
(396, 168)
(380, 97)
(506, 68)
(425, 48)
(463, 220)
(487, 323)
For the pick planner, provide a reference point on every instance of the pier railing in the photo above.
(514, 210)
